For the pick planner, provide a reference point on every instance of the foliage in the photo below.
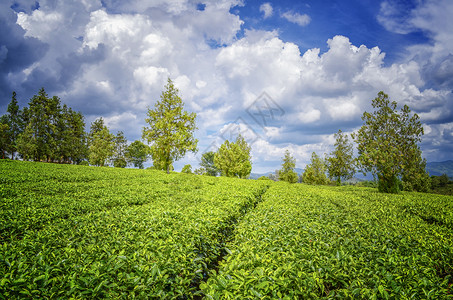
(387, 144)
(81, 232)
(119, 153)
(137, 154)
(287, 172)
(322, 242)
(442, 185)
(264, 178)
(44, 131)
(315, 172)
(187, 169)
(340, 163)
(200, 171)
(207, 162)
(233, 159)
(4, 128)
(171, 129)
(13, 120)
(102, 144)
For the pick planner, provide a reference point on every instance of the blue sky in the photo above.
(287, 74)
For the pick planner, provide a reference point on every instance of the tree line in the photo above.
(387, 143)
(387, 146)
(48, 131)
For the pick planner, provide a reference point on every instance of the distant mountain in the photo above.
(439, 168)
(434, 169)
(258, 175)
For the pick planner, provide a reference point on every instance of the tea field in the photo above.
(84, 232)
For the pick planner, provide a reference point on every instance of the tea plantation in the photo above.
(84, 232)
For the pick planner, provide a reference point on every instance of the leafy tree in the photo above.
(120, 146)
(207, 162)
(44, 130)
(72, 141)
(415, 177)
(187, 169)
(315, 172)
(102, 145)
(137, 153)
(439, 181)
(287, 172)
(387, 144)
(41, 122)
(14, 121)
(340, 163)
(233, 159)
(96, 126)
(170, 130)
(26, 145)
(4, 128)
(200, 171)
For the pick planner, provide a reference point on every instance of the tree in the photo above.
(200, 171)
(119, 153)
(102, 145)
(415, 177)
(187, 169)
(41, 122)
(340, 163)
(137, 153)
(287, 172)
(171, 129)
(315, 172)
(387, 144)
(14, 121)
(4, 128)
(233, 159)
(207, 162)
(26, 144)
(72, 136)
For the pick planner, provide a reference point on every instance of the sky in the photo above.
(284, 74)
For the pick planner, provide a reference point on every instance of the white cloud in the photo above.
(309, 116)
(267, 10)
(40, 24)
(393, 16)
(296, 18)
(116, 64)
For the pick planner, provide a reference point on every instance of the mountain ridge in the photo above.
(433, 168)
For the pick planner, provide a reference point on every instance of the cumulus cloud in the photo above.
(267, 10)
(296, 18)
(111, 59)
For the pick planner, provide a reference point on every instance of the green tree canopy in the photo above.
(4, 128)
(102, 145)
(13, 119)
(187, 169)
(207, 162)
(315, 172)
(137, 154)
(119, 152)
(388, 144)
(340, 163)
(171, 129)
(287, 171)
(233, 159)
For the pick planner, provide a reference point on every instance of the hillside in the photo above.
(85, 232)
